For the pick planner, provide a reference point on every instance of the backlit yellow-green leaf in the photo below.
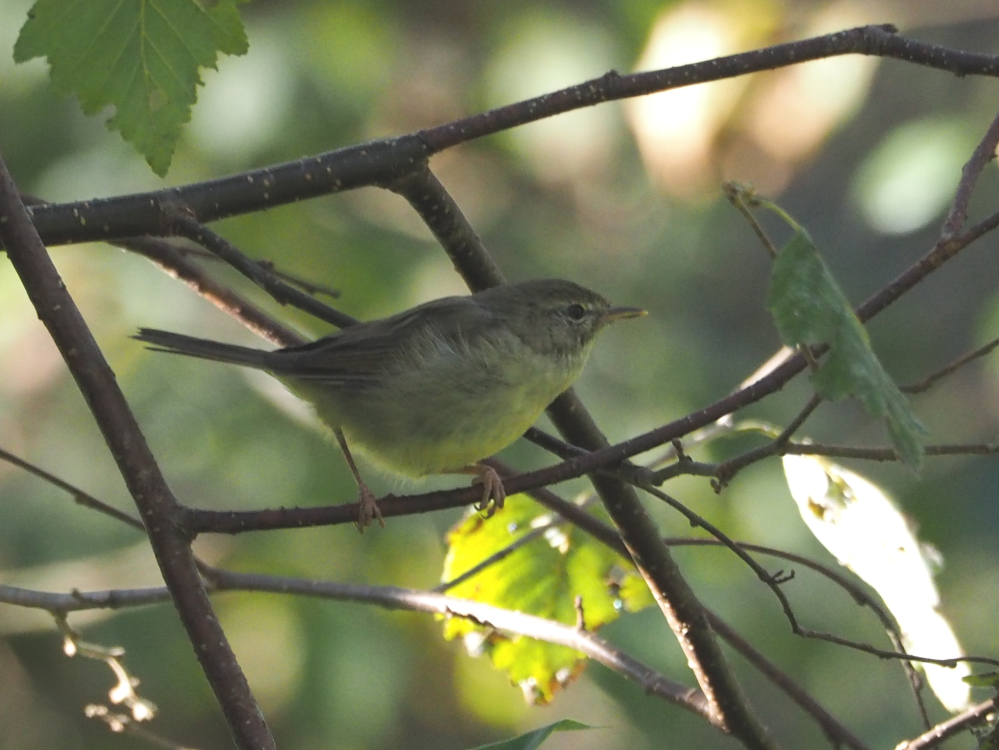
(542, 578)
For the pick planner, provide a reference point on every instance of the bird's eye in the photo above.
(575, 312)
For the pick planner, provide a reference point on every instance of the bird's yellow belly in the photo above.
(431, 436)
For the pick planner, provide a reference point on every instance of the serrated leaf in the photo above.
(141, 56)
(542, 578)
(532, 740)
(808, 307)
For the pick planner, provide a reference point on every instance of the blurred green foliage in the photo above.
(580, 204)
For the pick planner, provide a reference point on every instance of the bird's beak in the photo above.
(622, 313)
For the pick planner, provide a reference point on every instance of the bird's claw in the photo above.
(369, 509)
(493, 492)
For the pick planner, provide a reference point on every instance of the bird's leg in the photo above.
(365, 497)
(492, 486)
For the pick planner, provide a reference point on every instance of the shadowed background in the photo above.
(624, 198)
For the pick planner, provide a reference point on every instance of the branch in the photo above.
(382, 162)
(982, 155)
(156, 504)
(833, 730)
(60, 604)
(953, 726)
(880, 41)
(175, 262)
(728, 707)
(926, 383)
(108, 219)
(282, 292)
(389, 597)
(79, 496)
(392, 597)
(887, 454)
(447, 222)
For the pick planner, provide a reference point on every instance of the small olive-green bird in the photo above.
(439, 387)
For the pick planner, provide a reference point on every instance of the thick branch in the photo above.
(381, 162)
(149, 213)
(156, 504)
(728, 707)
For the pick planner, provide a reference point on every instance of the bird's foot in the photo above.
(493, 492)
(369, 508)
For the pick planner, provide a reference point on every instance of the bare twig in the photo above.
(982, 155)
(887, 454)
(393, 597)
(79, 496)
(926, 383)
(951, 727)
(775, 581)
(834, 731)
(186, 226)
(172, 260)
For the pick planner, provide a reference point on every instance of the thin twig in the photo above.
(833, 729)
(951, 727)
(171, 260)
(189, 227)
(306, 285)
(931, 379)
(775, 581)
(984, 152)
(887, 454)
(79, 496)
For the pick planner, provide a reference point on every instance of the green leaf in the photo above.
(532, 740)
(984, 680)
(542, 578)
(808, 307)
(141, 56)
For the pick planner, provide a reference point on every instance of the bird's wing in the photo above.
(363, 353)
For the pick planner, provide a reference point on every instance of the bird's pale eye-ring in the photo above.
(575, 312)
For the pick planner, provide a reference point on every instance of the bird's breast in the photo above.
(445, 412)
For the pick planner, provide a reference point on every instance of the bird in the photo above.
(439, 387)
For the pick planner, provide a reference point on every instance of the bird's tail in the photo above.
(178, 343)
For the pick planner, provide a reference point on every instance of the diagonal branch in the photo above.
(955, 725)
(156, 504)
(282, 292)
(728, 706)
(982, 155)
(175, 262)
